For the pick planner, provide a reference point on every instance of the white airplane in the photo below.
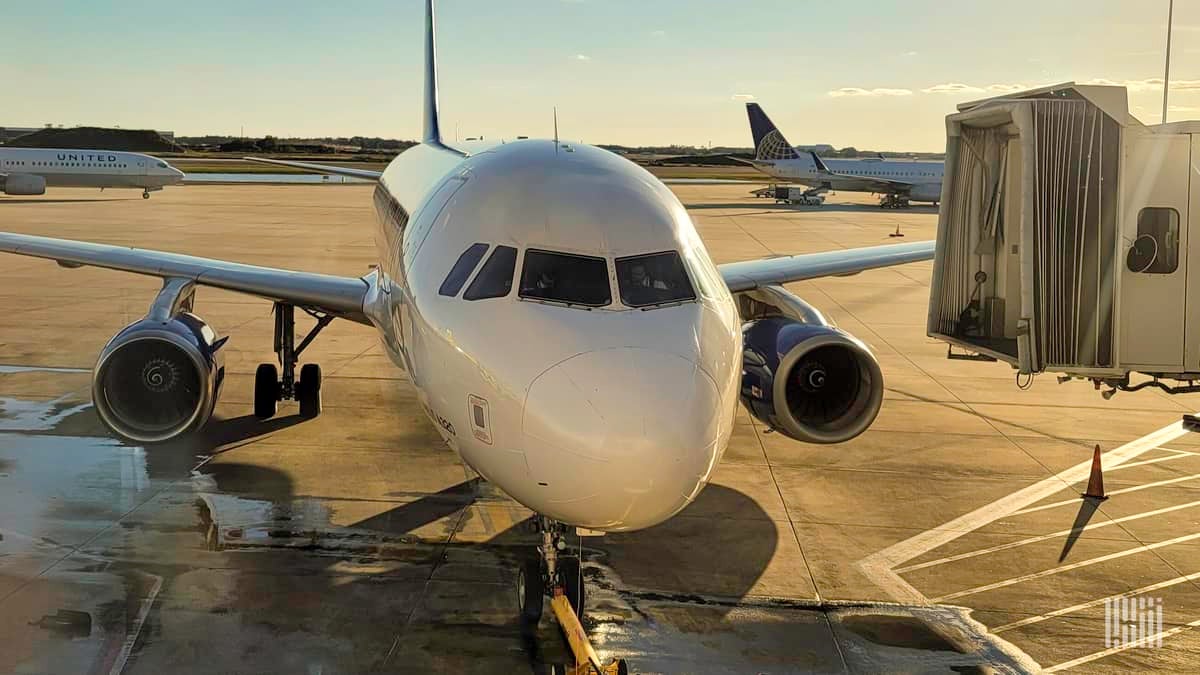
(897, 182)
(29, 171)
(561, 321)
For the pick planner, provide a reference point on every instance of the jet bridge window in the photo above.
(654, 279)
(567, 278)
(462, 269)
(495, 277)
(1156, 249)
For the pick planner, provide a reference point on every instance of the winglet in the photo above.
(821, 168)
(433, 132)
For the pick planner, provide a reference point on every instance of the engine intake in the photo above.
(157, 380)
(810, 381)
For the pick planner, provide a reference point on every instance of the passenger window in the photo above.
(564, 277)
(1156, 249)
(653, 280)
(462, 269)
(495, 277)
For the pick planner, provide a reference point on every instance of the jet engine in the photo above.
(159, 379)
(807, 379)
(23, 184)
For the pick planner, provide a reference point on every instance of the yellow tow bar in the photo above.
(586, 660)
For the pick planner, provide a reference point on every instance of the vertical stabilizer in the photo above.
(433, 131)
(769, 142)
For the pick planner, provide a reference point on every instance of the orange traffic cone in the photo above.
(1095, 488)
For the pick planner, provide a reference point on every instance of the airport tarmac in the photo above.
(950, 537)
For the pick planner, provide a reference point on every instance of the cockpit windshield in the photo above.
(654, 279)
(565, 277)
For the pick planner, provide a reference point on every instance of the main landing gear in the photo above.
(270, 387)
(555, 573)
(893, 201)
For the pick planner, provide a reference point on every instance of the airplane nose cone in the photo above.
(177, 175)
(621, 439)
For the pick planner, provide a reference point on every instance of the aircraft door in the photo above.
(1154, 251)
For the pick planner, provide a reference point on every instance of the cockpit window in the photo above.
(653, 279)
(495, 277)
(564, 277)
(462, 269)
(162, 165)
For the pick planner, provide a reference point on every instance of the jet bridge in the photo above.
(1064, 237)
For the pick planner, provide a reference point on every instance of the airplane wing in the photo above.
(320, 168)
(746, 276)
(879, 184)
(339, 296)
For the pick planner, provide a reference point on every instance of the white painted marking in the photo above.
(40, 369)
(136, 629)
(1064, 568)
(1116, 650)
(1099, 601)
(1044, 537)
(1135, 488)
(879, 566)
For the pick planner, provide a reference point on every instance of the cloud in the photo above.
(658, 33)
(1148, 84)
(911, 53)
(952, 88)
(743, 97)
(1005, 88)
(582, 57)
(878, 91)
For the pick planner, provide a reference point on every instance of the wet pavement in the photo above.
(357, 542)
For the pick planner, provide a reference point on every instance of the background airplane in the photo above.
(898, 182)
(29, 171)
(558, 315)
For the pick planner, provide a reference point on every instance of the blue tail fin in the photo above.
(769, 142)
(433, 131)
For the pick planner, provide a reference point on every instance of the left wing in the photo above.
(339, 296)
(873, 182)
(752, 274)
(321, 168)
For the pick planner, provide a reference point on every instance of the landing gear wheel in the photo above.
(145, 195)
(572, 584)
(531, 591)
(266, 391)
(308, 390)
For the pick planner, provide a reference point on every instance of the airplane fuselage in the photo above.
(601, 415)
(89, 168)
(924, 177)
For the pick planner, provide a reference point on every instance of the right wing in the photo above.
(752, 274)
(321, 168)
(340, 296)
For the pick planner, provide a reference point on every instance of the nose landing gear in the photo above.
(555, 573)
(270, 387)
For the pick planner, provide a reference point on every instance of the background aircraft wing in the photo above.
(320, 168)
(339, 296)
(745, 276)
(871, 182)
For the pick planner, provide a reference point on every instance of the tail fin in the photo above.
(769, 142)
(432, 134)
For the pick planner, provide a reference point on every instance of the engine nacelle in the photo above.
(23, 184)
(811, 382)
(157, 380)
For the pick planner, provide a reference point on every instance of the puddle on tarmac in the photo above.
(30, 416)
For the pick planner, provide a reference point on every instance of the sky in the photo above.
(873, 75)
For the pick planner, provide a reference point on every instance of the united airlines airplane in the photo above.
(897, 182)
(561, 320)
(29, 171)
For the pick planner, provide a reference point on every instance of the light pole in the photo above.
(1167, 68)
